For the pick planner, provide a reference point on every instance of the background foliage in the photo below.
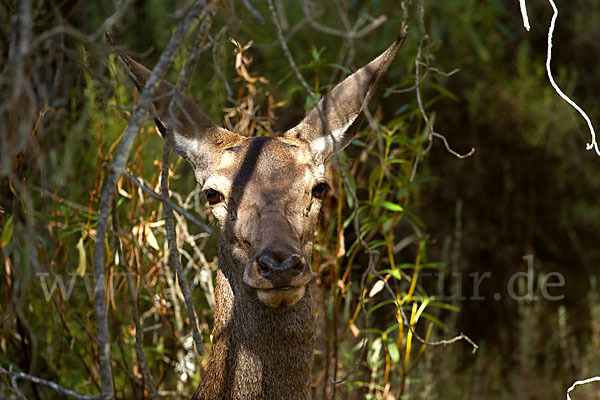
(528, 190)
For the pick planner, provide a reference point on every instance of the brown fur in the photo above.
(264, 328)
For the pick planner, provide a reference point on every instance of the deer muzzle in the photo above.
(278, 281)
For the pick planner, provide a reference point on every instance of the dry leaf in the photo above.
(150, 238)
(122, 191)
(377, 287)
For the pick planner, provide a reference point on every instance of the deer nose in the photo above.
(270, 269)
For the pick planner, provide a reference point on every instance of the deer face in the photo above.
(266, 193)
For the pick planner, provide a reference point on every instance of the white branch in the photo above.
(593, 144)
(525, 17)
(588, 146)
(583, 382)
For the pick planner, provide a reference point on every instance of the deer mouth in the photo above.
(278, 288)
(284, 296)
(283, 288)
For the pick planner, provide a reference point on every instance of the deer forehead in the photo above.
(265, 164)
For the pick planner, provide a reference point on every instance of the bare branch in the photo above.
(117, 169)
(110, 21)
(60, 389)
(289, 57)
(352, 33)
(51, 195)
(182, 83)
(173, 205)
(253, 11)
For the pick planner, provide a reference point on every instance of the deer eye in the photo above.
(213, 196)
(320, 190)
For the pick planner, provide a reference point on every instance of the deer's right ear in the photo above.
(341, 109)
(196, 137)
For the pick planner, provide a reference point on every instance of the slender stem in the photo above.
(173, 205)
(182, 83)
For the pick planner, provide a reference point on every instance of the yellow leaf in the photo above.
(377, 287)
(122, 191)
(82, 258)
(150, 238)
(7, 231)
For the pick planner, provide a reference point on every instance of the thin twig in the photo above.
(117, 168)
(110, 21)
(253, 11)
(288, 55)
(430, 132)
(173, 205)
(60, 389)
(61, 200)
(348, 34)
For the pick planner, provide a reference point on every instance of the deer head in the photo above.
(266, 192)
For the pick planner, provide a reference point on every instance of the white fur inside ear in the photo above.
(321, 144)
(183, 145)
(338, 134)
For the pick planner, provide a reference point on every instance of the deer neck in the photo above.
(258, 352)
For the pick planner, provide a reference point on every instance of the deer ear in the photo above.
(342, 107)
(196, 137)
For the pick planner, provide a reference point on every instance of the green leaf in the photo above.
(373, 357)
(445, 306)
(359, 143)
(392, 206)
(435, 320)
(393, 351)
(393, 272)
(316, 54)
(396, 161)
(7, 231)
(379, 305)
(443, 91)
(340, 67)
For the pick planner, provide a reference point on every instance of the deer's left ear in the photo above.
(196, 137)
(342, 107)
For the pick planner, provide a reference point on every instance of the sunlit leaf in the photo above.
(377, 287)
(150, 238)
(393, 351)
(81, 268)
(392, 206)
(7, 231)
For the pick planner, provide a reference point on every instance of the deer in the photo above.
(265, 194)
